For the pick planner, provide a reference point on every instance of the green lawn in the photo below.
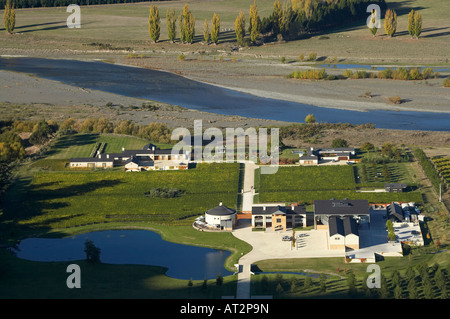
(67, 199)
(309, 183)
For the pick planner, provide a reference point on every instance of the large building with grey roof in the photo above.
(148, 158)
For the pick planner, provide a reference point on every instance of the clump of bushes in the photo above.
(181, 57)
(361, 75)
(402, 73)
(165, 192)
(312, 74)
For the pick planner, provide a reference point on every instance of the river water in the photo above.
(174, 89)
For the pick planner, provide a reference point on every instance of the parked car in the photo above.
(287, 238)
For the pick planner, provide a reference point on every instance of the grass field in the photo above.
(125, 26)
(308, 183)
(81, 145)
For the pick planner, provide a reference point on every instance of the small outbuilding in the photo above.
(395, 187)
(221, 217)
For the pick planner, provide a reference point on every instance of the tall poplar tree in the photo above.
(154, 23)
(215, 28)
(277, 16)
(390, 22)
(206, 35)
(9, 17)
(171, 20)
(411, 28)
(417, 24)
(239, 27)
(255, 22)
(187, 25)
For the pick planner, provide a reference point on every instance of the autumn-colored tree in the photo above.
(277, 16)
(411, 29)
(239, 26)
(154, 23)
(390, 22)
(9, 17)
(206, 31)
(255, 22)
(417, 24)
(310, 118)
(187, 25)
(171, 20)
(182, 29)
(215, 28)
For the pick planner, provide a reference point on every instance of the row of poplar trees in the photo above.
(390, 23)
(186, 22)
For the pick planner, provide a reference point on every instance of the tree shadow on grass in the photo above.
(37, 200)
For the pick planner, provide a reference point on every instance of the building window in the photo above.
(278, 220)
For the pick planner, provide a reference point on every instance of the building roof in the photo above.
(350, 226)
(278, 209)
(396, 185)
(336, 226)
(342, 226)
(341, 207)
(220, 210)
(91, 160)
(395, 211)
(335, 150)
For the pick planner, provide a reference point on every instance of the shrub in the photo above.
(310, 118)
(395, 99)
(427, 73)
(348, 73)
(301, 57)
(400, 74)
(283, 59)
(385, 74)
(312, 56)
(360, 75)
(447, 82)
(181, 57)
(414, 74)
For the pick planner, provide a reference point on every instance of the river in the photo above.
(174, 89)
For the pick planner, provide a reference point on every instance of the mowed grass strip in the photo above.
(308, 178)
(68, 199)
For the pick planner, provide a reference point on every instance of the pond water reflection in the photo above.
(131, 247)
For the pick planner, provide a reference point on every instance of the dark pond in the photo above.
(174, 89)
(140, 247)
